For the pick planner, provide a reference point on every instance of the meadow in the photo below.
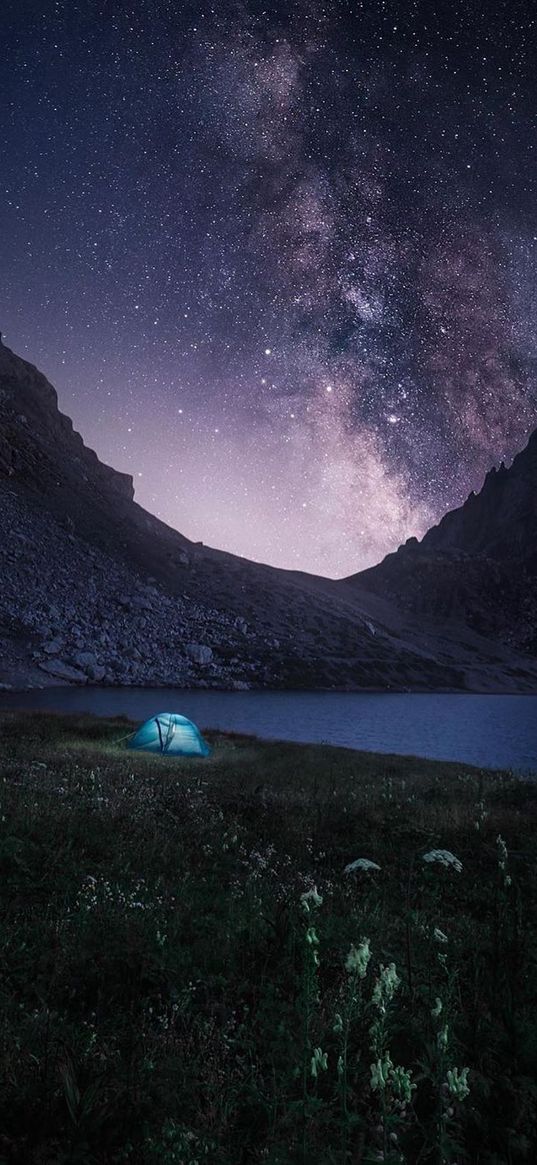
(280, 954)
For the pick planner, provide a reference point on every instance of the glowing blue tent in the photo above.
(171, 735)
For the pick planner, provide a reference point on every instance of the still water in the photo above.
(493, 731)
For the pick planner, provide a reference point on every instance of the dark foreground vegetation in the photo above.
(189, 976)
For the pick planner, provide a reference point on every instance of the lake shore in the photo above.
(483, 729)
(179, 973)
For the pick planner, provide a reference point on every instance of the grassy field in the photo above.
(189, 975)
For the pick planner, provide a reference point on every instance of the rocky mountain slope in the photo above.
(96, 590)
(479, 565)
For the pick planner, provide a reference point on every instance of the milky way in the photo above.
(279, 261)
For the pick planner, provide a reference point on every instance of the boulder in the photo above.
(199, 652)
(53, 647)
(85, 660)
(131, 652)
(137, 602)
(63, 671)
(142, 602)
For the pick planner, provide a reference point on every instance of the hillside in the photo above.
(479, 565)
(97, 590)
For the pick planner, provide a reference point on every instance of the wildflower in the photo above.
(442, 1038)
(385, 986)
(502, 859)
(443, 857)
(502, 850)
(309, 899)
(338, 1024)
(358, 959)
(380, 1071)
(401, 1082)
(457, 1080)
(318, 1060)
(439, 935)
(437, 1009)
(313, 941)
(360, 864)
(482, 815)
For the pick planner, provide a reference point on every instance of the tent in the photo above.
(171, 735)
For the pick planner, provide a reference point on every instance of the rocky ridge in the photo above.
(479, 565)
(96, 590)
(83, 617)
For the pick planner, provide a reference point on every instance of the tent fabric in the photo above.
(170, 734)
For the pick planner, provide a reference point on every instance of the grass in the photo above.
(189, 976)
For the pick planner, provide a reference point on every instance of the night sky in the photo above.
(278, 260)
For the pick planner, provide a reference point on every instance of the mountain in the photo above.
(479, 565)
(97, 590)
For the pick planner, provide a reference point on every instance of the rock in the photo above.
(199, 652)
(62, 671)
(132, 652)
(241, 625)
(142, 603)
(136, 602)
(96, 672)
(85, 659)
(53, 647)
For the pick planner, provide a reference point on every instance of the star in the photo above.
(349, 193)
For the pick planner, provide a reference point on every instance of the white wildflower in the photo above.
(319, 1060)
(481, 815)
(358, 959)
(443, 1038)
(401, 1082)
(360, 864)
(380, 1071)
(443, 857)
(385, 986)
(310, 899)
(439, 935)
(437, 1009)
(457, 1080)
(502, 860)
(502, 850)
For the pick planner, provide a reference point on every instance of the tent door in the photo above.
(170, 735)
(162, 745)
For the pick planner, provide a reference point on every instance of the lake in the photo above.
(493, 731)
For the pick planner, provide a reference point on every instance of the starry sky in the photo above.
(279, 260)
